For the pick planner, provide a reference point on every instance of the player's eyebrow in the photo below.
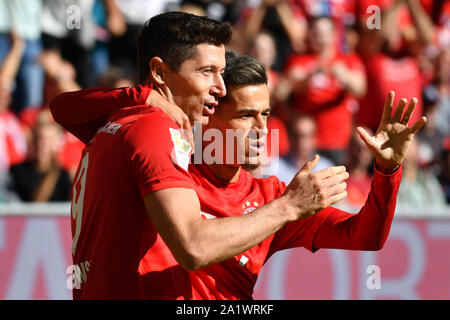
(249, 110)
(208, 66)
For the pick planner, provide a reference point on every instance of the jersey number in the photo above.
(78, 199)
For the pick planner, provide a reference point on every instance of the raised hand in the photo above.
(392, 140)
(310, 192)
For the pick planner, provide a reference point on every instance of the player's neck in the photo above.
(226, 173)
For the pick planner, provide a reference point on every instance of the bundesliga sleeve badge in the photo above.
(181, 153)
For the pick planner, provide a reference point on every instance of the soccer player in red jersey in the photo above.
(127, 166)
(230, 194)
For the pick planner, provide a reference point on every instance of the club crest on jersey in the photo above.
(248, 206)
(181, 154)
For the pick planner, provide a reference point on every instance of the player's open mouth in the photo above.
(257, 147)
(209, 108)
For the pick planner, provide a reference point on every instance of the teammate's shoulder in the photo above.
(143, 117)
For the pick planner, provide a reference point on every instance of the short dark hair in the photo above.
(243, 71)
(172, 36)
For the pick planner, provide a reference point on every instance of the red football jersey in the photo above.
(383, 75)
(137, 152)
(163, 278)
(326, 99)
(117, 251)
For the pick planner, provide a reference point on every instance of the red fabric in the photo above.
(125, 256)
(358, 190)
(330, 228)
(383, 75)
(274, 123)
(83, 112)
(13, 143)
(127, 159)
(326, 100)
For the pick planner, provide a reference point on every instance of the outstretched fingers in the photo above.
(418, 124)
(409, 111)
(388, 105)
(368, 140)
(399, 110)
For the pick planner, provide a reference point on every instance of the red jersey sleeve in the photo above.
(83, 112)
(336, 229)
(157, 154)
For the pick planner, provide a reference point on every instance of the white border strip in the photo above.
(63, 209)
(35, 209)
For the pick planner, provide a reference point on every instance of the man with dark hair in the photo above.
(140, 153)
(231, 249)
(173, 37)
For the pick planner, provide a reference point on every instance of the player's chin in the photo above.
(252, 163)
(251, 166)
(204, 120)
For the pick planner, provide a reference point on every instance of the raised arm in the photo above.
(10, 65)
(369, 229)
(83, 112)
(197, 243)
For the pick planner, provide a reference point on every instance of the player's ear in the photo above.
(158, 69)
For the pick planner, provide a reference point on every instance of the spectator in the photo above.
(442, 84)
(116, 77)
(264, 49)
(444, 175)
(40, 178)
(68, 30)
(134, 13)
(431, 138)
(281, 19)
(221, 10)
(390, 54)
(60, 77)
(303, 136)
(419, 189)
(359, 166)
(12, 139)
(323, 85)
(23, 18)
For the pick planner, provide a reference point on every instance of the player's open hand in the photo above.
(310, 192)
(392, 140)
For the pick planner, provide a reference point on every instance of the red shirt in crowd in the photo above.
(13, 144)
(326, 99)
(385, 74)
(117, 251)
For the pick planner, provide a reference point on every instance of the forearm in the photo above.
(10, 65)
(253, 26)
(195, 242)
(220, 239)
(295, 31)
(355, 83)
(369, 229)
(422, 21)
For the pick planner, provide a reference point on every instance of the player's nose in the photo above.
(218, 89)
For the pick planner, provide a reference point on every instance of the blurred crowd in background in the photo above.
(330, 64)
